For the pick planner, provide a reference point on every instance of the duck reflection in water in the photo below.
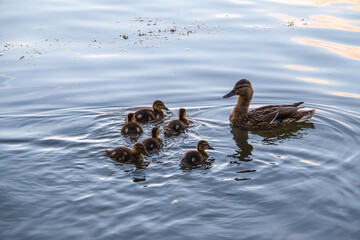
(270, 137)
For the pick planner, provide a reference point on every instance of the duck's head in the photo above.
(242, 88)
(159, 105)
(139, 148)
(182, 113)
(155, 132)
(203, 145)
(130, 118)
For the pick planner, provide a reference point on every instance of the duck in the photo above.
(145, 115)
(177, 125)
(265, 117)
(195, 157)
(131, 128)
(153, 143)
(127, 155)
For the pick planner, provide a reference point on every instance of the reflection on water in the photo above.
(315, 2)
(324, 21)
(278, 135)
(343, 94)
(310, 162)
(301, 68)
(269, 137)
(314, 80)
(241, 138)
(348, 51)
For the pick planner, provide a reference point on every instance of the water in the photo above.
(69, 76)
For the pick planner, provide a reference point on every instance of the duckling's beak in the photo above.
(166, 108)
(210, 147)
(230, 94)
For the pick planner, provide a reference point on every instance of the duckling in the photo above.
(154, 142)
(177, 125)
(196, 157)
(124, 154)
(131, 128)
(145, 115)
(265, 117)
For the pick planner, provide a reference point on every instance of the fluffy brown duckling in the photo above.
(177, 125)
(154, 142)
(196, 157)
(125, 154)
(265, 117)
(145, 115)
(131, 128)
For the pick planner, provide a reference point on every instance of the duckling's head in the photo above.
(139, 148)
(130, 118)
(159, 105)
(155, 132)
(242, 88)
(203, 145)
(182, 113)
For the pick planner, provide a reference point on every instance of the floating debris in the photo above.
(174, 202)
(21, 58)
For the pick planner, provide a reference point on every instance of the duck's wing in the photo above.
(285, 112)
(273, 112)
(270, 117)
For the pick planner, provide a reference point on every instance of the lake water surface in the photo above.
(70, 71)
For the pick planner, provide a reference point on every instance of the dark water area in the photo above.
(70, 71)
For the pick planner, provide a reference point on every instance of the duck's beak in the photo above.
(210, 147)
(166, 108)
(230, 94)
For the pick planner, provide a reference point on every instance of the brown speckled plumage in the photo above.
(177, 125)
(127, 155)
(196, 157)
(154, 142)
(265, 117)
(145, 115)
(131, 127)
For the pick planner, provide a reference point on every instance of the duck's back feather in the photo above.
(144, 115)
(191, 158)
(270, 116)
(152, 143)
(131, 128)
(175, 126)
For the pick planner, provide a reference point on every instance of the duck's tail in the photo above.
(307, 115)
(297, 104)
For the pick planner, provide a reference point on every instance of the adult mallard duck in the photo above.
(265, 117)
(145, 115)
(131, 128)
(154, 142)
(177, 125)
(196, 157)
(126, 155)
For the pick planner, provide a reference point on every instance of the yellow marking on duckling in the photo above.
(113, 153)
(137, 129)
(139, 116)
(126, 130)
(152, 145)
